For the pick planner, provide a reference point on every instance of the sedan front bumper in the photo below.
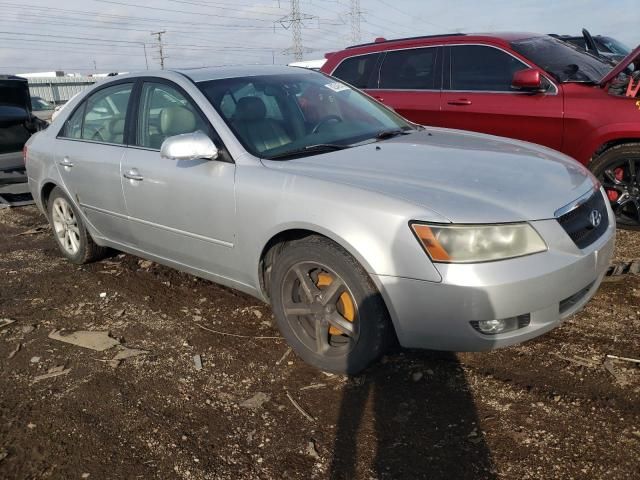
(548, 286)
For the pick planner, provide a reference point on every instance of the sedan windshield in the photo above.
(565, 62)
(299, 114)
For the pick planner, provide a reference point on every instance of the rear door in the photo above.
(477, 96)
(409, 81)
(88, 151)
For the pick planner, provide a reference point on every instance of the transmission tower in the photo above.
(294, 21)
(355, 13)
(160, 47)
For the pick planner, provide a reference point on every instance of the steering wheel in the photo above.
(327, 119)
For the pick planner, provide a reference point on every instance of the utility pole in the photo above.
(355, 13)
(294, 21)
(160, 46)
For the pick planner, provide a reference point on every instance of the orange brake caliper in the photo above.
(345, 301)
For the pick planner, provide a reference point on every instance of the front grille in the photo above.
(577, 222)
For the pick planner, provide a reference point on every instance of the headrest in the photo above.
(250, 109)
(177, 120)
(117, 126)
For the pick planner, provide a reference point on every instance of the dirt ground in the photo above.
(549, 409)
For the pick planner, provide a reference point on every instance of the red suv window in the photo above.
(357, 71)
(482, 68)
(413, 69)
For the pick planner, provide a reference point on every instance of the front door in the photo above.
(183, 211)
(88, 152)
(477, 96)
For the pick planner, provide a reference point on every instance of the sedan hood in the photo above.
(463, 176)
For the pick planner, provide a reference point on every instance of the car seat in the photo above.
(251, 122)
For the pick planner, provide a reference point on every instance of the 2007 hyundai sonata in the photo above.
(357, 226)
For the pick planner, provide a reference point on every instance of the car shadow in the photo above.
(411, 416)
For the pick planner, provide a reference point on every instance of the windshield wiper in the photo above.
(309, 149)
(394, 132)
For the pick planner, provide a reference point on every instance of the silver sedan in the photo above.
(357, 226)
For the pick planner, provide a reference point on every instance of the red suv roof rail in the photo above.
(384, 40)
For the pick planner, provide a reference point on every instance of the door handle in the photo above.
(461, 101)
(133, 174)
(66, 162)
(380, 99)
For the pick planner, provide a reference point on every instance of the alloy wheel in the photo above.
(65, 226)
(320, 309)
(621, 181)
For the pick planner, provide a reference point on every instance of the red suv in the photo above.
(524, 86)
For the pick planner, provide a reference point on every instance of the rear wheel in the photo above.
(618, 169)
(72, 237)
(327, 307)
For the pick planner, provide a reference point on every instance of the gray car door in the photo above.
(88, 152)
(183, 211)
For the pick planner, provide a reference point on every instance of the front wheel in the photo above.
(327, 307)
(618, 169)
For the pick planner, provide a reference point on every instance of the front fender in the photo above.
(606, 134)
(372, 227)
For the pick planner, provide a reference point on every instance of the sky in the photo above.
(89, 36)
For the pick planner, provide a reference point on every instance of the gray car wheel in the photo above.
(327, 307)
(72, 237)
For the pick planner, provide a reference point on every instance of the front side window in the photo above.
(276, 115)
(480, 68)
(165, 112)
(413, 69)
(104, 115)
(357, 71)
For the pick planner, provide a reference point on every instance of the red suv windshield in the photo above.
(564, 62)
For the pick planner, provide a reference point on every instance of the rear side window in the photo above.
(101, 118)
(480, 68)
(413, 69)
(73, 126)
(357, 71)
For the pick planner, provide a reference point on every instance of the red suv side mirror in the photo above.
(528, 79)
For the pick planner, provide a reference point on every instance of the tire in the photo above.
(353, 344)
(69, 231)
(615, 168)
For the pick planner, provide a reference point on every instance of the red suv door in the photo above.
(409, 81)
(477, 95)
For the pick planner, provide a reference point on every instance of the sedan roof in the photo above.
(217, 73)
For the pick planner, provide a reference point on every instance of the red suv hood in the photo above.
(624, 63)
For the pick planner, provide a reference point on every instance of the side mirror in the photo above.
(528, 80)
(189, 146)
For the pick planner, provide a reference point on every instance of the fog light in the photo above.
(504, 325)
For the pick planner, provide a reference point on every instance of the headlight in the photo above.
(478, 243)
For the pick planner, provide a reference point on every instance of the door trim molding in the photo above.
(160, 227)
